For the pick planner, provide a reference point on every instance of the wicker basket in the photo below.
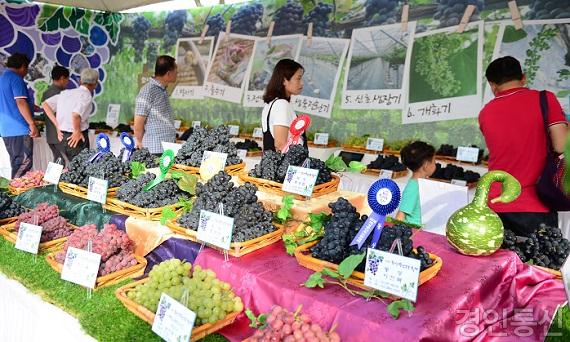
(148, 316)
(18, 191)
(272, 187)
(251, 154)
(109, 279)
(395, 174)
(469, 185)
(359, 149)
(232, 169)
(388, 152)
(81, 192)
(8, 220)
(153, 214)
(558, 274)
(305, 259)
(10, 235)
(237, 249)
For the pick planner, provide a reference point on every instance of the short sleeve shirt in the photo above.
(514, 132)
(51, 134)
(410, 204)
(282, 114)
(152, 102)
(78, 100)
(13, 87)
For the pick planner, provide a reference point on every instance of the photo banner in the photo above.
(543, 49)
(322, 59)
(232, 60)
(445, 75)
(265, 57)
(192, 59)
(376, 63)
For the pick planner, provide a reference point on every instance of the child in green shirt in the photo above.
(419, 157)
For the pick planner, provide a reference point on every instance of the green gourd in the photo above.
(475, 229)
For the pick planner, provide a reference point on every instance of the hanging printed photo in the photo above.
(265, 56)
(226, 74)
(543, 49)
(444, 75)
(376, 59)
(192, 59)
(322, 59)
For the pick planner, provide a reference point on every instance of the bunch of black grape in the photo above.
(251, 220)
(174, 23)
(455, 172)
(202, 139)
(107, 167)
(76, 168)
(450, 12)
(288, 18)
(549, 9)
(381, 11)
(546, 247)
(216, 24)
(274, 165)
(245, 20)
(141, 26)
(142, 155)
(446, 150)
(319, 16)
(151, 53)
(387, 163)
(8, 207)
(164, 193)
(248, 144)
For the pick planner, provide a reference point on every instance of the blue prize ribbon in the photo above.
(383, 199)
(129, 144)
(102, 147)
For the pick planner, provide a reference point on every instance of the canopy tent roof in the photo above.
(133, 5)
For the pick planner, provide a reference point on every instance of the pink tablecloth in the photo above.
(495, 298)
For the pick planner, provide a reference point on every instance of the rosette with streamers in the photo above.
(383, 198)
(129, 144)
(103, 146)
(298, 126)
(166, 161)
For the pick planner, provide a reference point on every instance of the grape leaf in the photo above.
(316, 279)
(290, 243)
(252, 318)
(4, 182)
(316, 221)
(397, 305)
(284, 212)
(335, 163)
(356, 167)
(348, 265)
(167, 214)
(186, 204)
(177, 174)
(137, 168)
(188, 183)
(330, 273)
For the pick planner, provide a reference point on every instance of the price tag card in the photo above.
(234, 130)
(177, 124)
(171, 146)
(212, 163)
(374, 144)
(392, 273)
(53, 173)
(97, 190)
(257, 132)
(467, 154)
(242, 154)
(459, 182)
(300, 180)
(173, 321)
(386, 174)
(81, 267)
(29, 237)
(196, 124)
(215, 229)
(321, 139)
(113, 111)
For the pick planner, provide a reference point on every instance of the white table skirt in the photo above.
(24, 316)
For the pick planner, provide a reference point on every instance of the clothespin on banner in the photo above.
(270, 32)
(203, 34)
(465, 20)
(198, 3)
(405, 15)
(309, 34)
(222, 2)
(228, 29)
(515, 14)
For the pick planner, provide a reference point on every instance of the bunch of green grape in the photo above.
(198, 289)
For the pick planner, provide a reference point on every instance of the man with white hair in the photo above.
(71, 119)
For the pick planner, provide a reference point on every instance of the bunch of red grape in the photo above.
(286, 326)
(30, 180)
(53, 225)
(114, 246)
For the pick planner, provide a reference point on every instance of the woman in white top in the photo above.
(278, 113)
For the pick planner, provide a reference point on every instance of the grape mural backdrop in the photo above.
(123, 47)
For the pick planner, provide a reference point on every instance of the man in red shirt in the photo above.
(514, 131)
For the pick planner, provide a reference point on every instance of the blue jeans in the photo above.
(21, 151)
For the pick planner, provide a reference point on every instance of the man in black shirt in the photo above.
(60, 78)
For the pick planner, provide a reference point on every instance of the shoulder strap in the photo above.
(544, 111)
(269, 113)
